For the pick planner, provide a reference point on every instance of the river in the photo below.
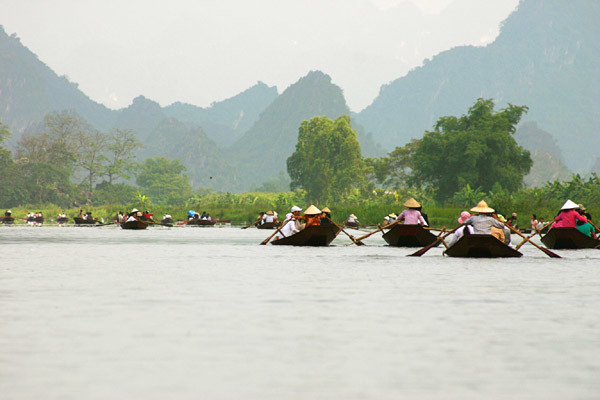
(207, 313)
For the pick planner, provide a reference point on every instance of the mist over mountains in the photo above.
(546, 57)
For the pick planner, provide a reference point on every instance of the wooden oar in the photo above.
(249, 225)
(379, 229)
(425, 249)
(548, 252)
(440, 234)
(277, 230)
(356, 241)
(537, 232)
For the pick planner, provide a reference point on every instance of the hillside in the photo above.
(546, 57)
(262, 152)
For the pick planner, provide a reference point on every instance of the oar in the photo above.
(379, 228)
(425, 249)
(537, 232)
(548, 252)
(277, 230)
(249, 225)
(356, 242)
(440, 234)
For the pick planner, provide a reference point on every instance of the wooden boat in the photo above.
(63, 220)
(402, 235)
(353, 225)
(166, 221)
(269, 225)
(82, 221)
(38, 220)
(8, 220)
(568, 238)
(201, 222)
(481, 246)
(315, 235)
(134, 225)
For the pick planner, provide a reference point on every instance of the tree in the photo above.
(120, 159)
(163, 181)
(327, 162)
(394, 170)
(477, 149)
(91, 158)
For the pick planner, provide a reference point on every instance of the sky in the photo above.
(200, 52)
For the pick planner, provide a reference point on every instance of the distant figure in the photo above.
(460, 232)
(512, 220)
(268, 217)
(587, 229)
(534, 222)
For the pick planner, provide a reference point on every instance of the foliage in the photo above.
(394, 170)
(162, 180)
(476, 149)
(120, 156)
(116, 193)
(327, 162)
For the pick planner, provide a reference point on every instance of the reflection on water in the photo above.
(99, 312)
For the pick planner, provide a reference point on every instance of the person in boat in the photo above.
(191, 214)
(291, 224)
(260, 219)
(411, 215)
(587, 229)
(81, 214)
(583, 212)
(425, 216)
(312, 216)
(208, 217)
(325, 216)
(483, 222)
(7, 213)
(390, 218)
(120, 217)
(568, 215)
(352, 219)
(203, 215)
(460, 232)
(540, 225)
(147, 216)
(512, 220)
(534, 222)
(268, 217)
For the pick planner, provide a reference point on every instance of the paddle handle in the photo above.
(548, 252)
(275, 233)
(440, 238)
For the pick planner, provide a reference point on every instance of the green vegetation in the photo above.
(327, 162)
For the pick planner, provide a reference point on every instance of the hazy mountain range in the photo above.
(546, 57)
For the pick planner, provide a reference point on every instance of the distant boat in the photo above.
(62, 220)
(269, 225)
(568, 238)
(353, 225)
(8, 220)
(403, 235)
(314, 235)
(39, 220)
(83, 221)
(201, 222)
(134, 225)
(481, 246)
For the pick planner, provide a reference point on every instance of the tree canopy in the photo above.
(476, 149)
(163, 181)
(327, 162)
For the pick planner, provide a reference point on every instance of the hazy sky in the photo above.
(199, 51)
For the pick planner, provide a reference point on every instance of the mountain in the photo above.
(262, 152)
(29, 89)
(226, 121)
(546, 56)
(548, 163)
(206, 165)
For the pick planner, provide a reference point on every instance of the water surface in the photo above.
(189, 313)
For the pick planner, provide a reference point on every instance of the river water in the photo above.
(207, 313)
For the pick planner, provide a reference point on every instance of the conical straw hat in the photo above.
(270, 212)
(482, 207)
(411, 203)
(326, 209)
(569, 205)
(353, 216)
(312, 210)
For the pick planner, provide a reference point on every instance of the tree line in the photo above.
(68, 163)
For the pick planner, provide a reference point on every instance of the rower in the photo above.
(352, 219)
(483, 222)
(411, 215)
(312, 216)
(568, 215)
(325, 216)
(268, 217)
(291, 224)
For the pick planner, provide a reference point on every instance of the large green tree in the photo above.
(163, 181)
(477, 149)
(327, 162)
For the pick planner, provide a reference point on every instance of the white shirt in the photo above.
(268, 218)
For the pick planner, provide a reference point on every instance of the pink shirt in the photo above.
(411, 217)
(566, 219)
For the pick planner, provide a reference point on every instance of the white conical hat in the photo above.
(569, 205)
(312, 210)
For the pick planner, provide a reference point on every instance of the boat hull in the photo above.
(568, 238)
(402, 235)
(316, 235)
(137, 225)
(201, 222)
(481, 246)
(81, 221)
(353, 225)
(269, 225)
(8, 220)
